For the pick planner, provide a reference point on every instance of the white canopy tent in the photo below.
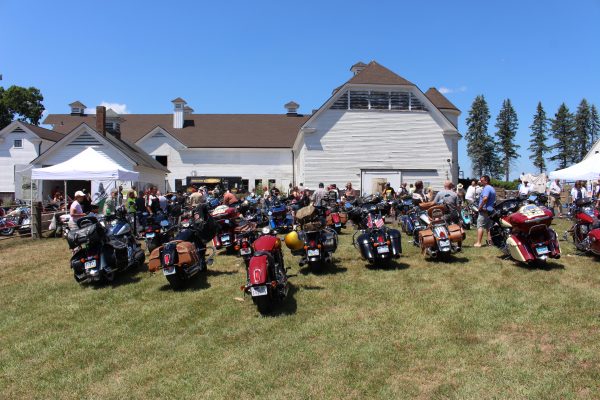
(588, 169)
(89, 165)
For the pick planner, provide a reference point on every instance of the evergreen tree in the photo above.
(507, 125)
(562, 127)
(583, 126)
(538, 146)
(595, 124)
(480, 145)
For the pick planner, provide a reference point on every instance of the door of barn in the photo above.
(372, 181)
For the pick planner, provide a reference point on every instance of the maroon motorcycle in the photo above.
(227, 218)
(7, 226)
(245, 235)
(586, 228)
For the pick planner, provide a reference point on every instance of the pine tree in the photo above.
(507, 124)
(562, 127)
(480, 145)
(595, 125)
(538, 146)
(583, 125)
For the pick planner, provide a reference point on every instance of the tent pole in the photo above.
(66, 195)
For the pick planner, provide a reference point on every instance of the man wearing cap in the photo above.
(524, 188)
(75, 211)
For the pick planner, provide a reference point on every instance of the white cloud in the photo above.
(446, 90)
(116, 107)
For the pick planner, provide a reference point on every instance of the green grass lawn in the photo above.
(476, 328)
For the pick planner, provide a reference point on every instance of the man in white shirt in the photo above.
(471, 191)
(524, 189)
(554, 192)
(75, 211)
(578, 192)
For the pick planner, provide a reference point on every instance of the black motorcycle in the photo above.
(100, 252)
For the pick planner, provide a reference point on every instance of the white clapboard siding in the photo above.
(10, 156)
(250, 164)
(347, 141)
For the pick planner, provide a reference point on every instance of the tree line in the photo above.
(573, 134)
(20, 103)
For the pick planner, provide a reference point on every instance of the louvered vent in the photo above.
(341, 103)
(18, 129)
(85, 139)
(399, 100)
(415, 103)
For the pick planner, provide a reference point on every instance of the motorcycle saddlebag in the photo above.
(89, 234)
(426, 239)
(396, 244)
(456, 233)
(154, 262)
(329, 241)
(187, 253)
(117, 250)
(364, 246)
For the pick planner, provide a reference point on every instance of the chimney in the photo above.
(292, 108)
(101, 120)
(358, 67)
(179, 105)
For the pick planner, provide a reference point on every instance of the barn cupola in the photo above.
(358, 67)
(178, 110)
(77, 108)
(292, 108)
(187, 110)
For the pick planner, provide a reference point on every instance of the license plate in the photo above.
(258, 291)
(245, 252)
(444, 243)
(226, 221)
(338, 225)
(312, 253)
(543, 250)
(169, 271)
(149, 235)
(90, 264)
(225, 238)
(383, 249)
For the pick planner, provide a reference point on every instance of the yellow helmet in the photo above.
(293, 242)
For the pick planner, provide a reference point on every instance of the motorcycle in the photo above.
(336, 218)
(245, 235)
(586, 227)
(184, 257)
(280, 218)
(157, 232)
(376, 242)
(522, 231)
(101, 252)
(21, 217)
(313, 241)
(7, 226)
(439, 239)
(226, 217)
(267, 281)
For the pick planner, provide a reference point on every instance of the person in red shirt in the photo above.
(229, 198)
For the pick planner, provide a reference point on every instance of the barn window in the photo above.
(161, 159)
(271, 183)
(18, 143)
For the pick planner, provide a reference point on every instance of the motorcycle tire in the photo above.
(263, 304)
(176, 281)
(7, 232)
(315, 266)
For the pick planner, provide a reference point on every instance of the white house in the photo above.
(376, 127)
(20, 143)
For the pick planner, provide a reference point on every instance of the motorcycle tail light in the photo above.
(82, 260)
(312, 243)
(380, 239)
(157, 230)
(148, 229)
(273, 283)
(443, 234)
(319, 246)
(244, 244)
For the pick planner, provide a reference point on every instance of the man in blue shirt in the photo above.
(486, 206)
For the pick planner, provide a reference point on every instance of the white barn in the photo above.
(376, 127)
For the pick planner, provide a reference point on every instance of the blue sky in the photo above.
(254, 56)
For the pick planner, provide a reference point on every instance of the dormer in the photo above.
(178, 110)
(358, 67)
(292, 108)
(187, 110)
(77, 108)
(113, 121)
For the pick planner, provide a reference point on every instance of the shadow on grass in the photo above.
(323, 269)
(542, 266)
(391, 265)
(287, 306)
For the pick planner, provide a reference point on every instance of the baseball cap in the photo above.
(79, 193)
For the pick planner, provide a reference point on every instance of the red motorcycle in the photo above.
(523, 232)
(586, 229)
(7, 226)
(267, 280)
(226, 217)
(245, 235)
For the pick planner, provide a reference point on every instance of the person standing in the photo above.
(403, 191)
(318, 195)
(578, 192)
(554, 192)
(486, 206)
(389, 192)
(76, 211)
(120, 196)
(110, 205)
(524, 189)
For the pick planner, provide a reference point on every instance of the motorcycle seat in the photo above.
(436, 212)
(426, 205)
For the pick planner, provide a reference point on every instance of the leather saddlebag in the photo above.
(187, 253)
(456, 233)
(426, 239)
(154, 262)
